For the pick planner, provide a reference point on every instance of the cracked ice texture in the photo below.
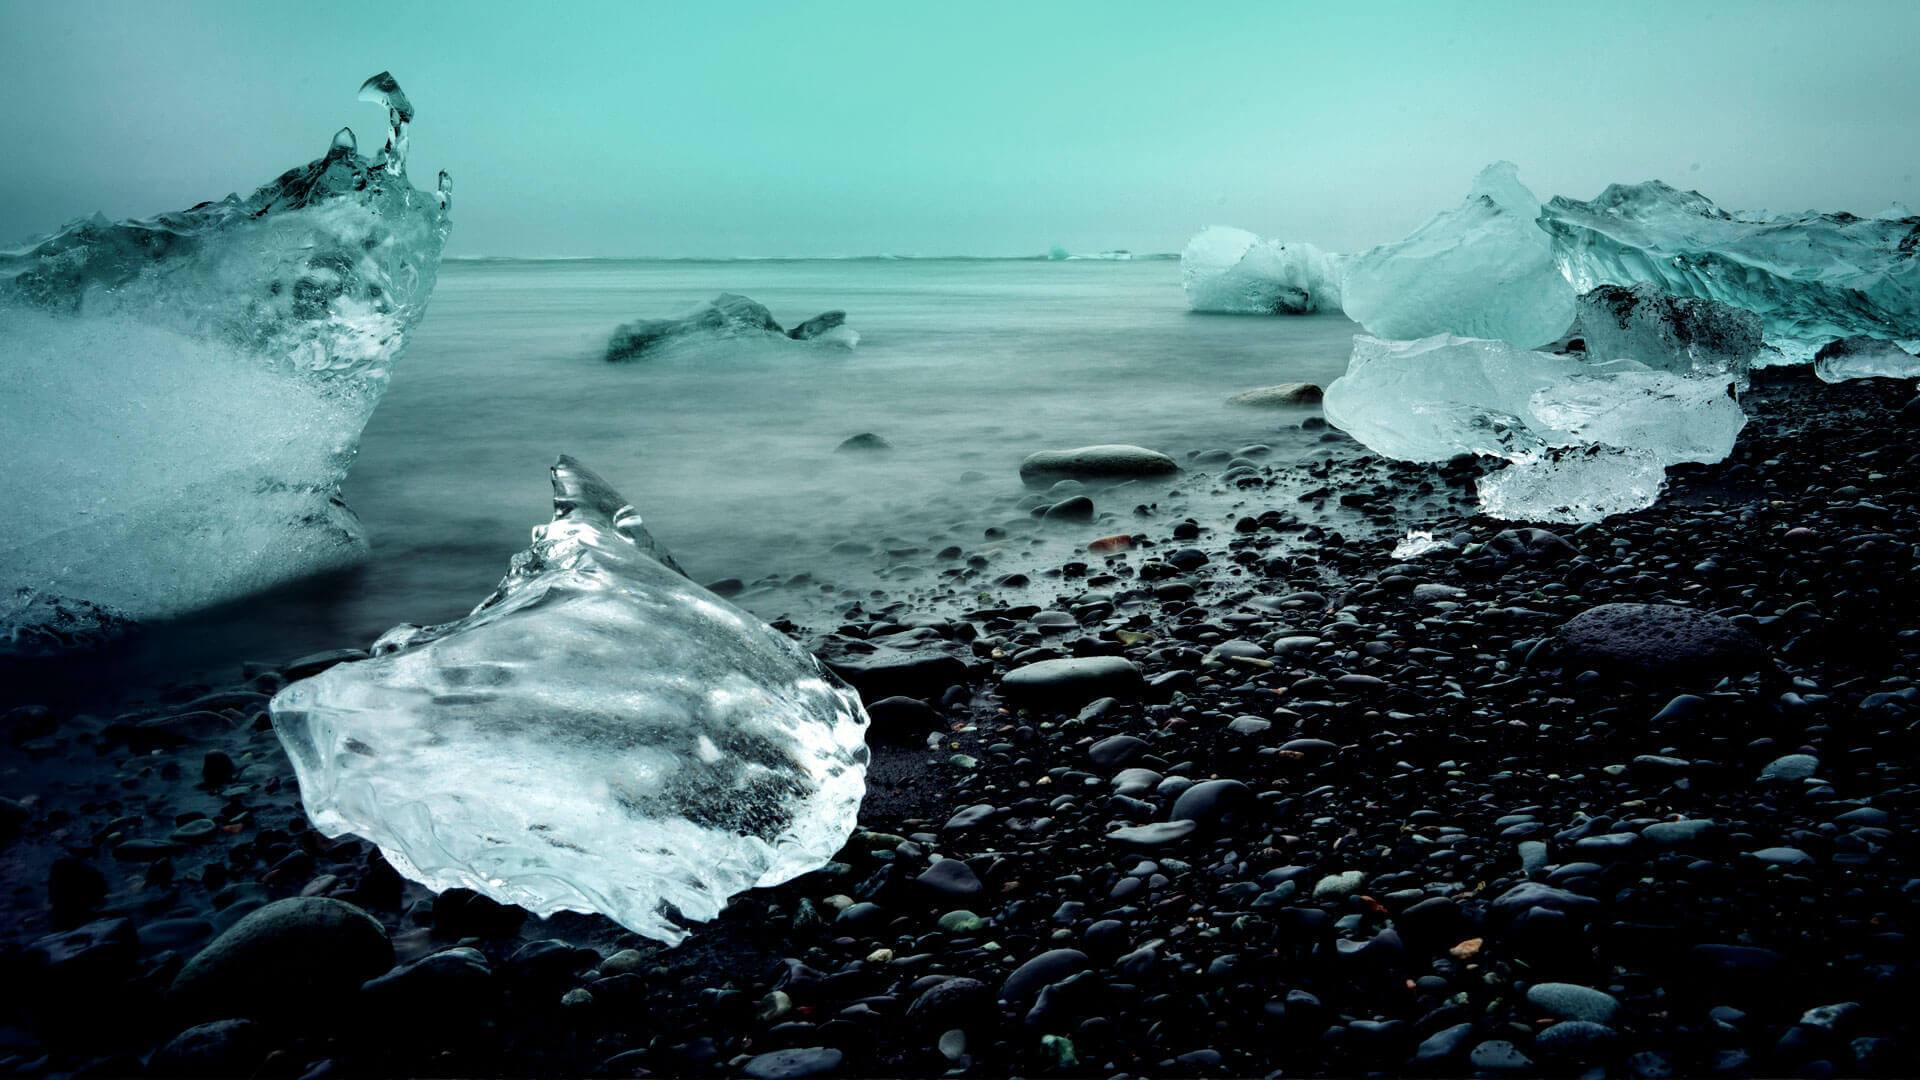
(184, 393)
(1483, 270)
(600, 734)
(1584, 440)
(1811, 277)
(1683, 334)
(1232, 271)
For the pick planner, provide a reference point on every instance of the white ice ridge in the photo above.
(1584, 439)
(1811, 277)
(183, 394)
(1864, 358)
(1232, 271)
(600, 734)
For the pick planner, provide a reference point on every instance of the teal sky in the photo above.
(959, 128)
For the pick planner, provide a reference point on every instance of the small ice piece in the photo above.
(1864, 358)
(1483, 270)
(1234, 272)
(1416, 543)
(1811, 277)
(727, 317)
(1683, 334)
(1437, 397)
(185, 393)
(600, 734)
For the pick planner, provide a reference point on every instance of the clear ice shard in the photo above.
(1485, 269)
(1864, 358)
(600, 734)
(184, 393)
(1232, 271)
(1811, 277)
(1684, 334)
(1583, 439)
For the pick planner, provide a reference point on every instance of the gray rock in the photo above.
(793, 1064)
(1072, 682)
(1111, 462)
(1571, 1001)
(1278, 396)
(1658, 639)
(302, 954)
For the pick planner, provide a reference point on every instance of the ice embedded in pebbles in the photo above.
(1485, 269)
(1864, 358)
(1232, 271)
(600, 734)
(1583, 439)
(184, 393)
(1811, 277)
(1683, 334)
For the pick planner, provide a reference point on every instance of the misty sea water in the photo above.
(965, 366)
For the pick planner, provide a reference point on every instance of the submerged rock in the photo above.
(728, 316)
(1284, 394)
(186, 392)
(1110, 462)
(600, 734)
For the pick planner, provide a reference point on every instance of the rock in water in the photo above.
(1683, 334)
(727, 317)
(1234, 272)
(1811, 277)
(600, 734)
(1273, 397)
(1584, 440)
(1484, 270)
(186, 392)
(1110, 463)
(1864, 358)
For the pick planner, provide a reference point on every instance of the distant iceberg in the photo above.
(599, 734)
(1231, 271)
(187, 391)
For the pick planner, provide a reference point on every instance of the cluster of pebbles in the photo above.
(1233, 796)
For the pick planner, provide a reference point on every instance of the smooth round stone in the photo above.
(1338, 886)
(1073, 681)
(1571, 1001)
(1107, 462)
(793, 1064)
(1790, 769)
(1155, 835)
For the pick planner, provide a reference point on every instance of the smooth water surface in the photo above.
(964, 366)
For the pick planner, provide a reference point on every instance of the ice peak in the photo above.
(382, 89)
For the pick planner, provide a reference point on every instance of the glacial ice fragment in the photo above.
(1483, 270)
(1864, 358)
(1811, 277)
(599, 734)
(1583, 439)
(1684, 334)
(184, 393)
(1234, 272)
(727, 317)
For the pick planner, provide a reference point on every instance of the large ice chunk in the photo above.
(1234, 272)
(1684, 334)
(727, 317)
(1811, 276)
(184, 393)
(1583, 439)
(600, 734)
(1484, 270)
(1864, 358)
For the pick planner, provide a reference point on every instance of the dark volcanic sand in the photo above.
(1446, 840)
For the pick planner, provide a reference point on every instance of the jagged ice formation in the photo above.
(1583, 439)
(1232, 271)
(184, 393)
(600, 734)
